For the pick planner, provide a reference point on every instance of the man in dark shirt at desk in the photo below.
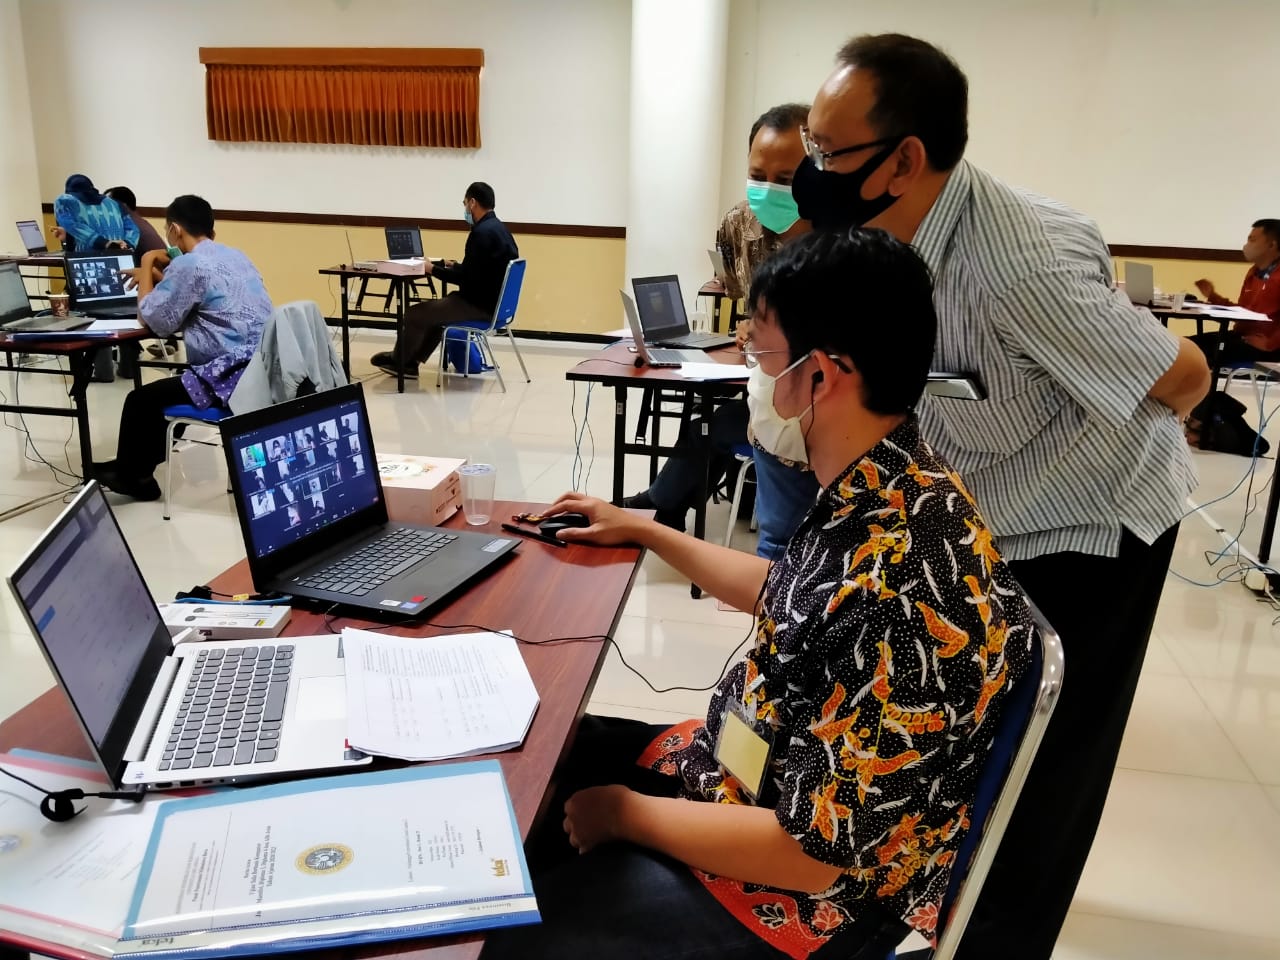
(478, 277)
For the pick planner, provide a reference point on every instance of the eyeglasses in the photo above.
(820, 157)
(749, 356)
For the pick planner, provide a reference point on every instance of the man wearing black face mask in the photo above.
(1077, 456)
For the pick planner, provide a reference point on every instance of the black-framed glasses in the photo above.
(820, 157)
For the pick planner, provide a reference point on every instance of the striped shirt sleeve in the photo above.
(1105, 352)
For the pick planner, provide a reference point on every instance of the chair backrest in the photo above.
(509, 298)
(1019, 729)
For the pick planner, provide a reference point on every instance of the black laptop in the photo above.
(314, 516)
(404, 243)
(663, 318)
(16, 315)
(96, 283)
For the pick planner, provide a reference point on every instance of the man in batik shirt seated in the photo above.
(817, 809)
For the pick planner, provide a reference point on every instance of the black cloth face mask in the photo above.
(834, 201)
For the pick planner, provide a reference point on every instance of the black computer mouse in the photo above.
(552, 525)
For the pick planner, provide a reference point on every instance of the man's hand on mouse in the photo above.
(610, 525)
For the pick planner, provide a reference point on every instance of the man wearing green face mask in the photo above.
(751, 232)
(757, 226)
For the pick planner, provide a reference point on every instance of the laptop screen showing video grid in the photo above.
(302, 474)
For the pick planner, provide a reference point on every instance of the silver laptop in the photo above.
(655, 356)
(717, 263)
(33, 239)
(159, 716)
(1139, 283)
(16, 315)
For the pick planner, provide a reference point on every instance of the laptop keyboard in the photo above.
(663, 355)
(378, 561)
(232, 709)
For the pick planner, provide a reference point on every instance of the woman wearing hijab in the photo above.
(87, 220)
(91, 220)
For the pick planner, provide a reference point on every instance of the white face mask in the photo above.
(781, 436)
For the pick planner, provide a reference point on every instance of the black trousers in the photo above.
(424, 325)
(140, 447)
(1234, 349)
(1029, 889)
(622, 901)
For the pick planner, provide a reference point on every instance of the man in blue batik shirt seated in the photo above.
(212, 295)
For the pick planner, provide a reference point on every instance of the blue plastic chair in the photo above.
(187, 414)
(1018, 732)
(478, 331)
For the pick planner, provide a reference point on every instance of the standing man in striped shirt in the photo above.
(1076, 456)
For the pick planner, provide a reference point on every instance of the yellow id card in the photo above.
(742, 752)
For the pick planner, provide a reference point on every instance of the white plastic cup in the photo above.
(60, 304)
(1179, 301)
(478, 480)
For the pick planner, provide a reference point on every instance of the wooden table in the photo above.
(615, 367)
(539, 593)
(79, 354)
(400, 278)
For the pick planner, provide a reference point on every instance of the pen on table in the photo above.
(534, 535)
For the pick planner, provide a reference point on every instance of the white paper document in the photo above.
(713, 371)
(430, 698)
(1232, 312)
(68, 883)
(118, 325)
(383, 845)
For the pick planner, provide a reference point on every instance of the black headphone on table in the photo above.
(59, 805)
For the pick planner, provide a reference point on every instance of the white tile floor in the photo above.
(1187, 859)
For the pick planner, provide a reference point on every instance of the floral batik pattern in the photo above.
(889, 634)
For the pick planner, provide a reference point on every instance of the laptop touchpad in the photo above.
(321, 698)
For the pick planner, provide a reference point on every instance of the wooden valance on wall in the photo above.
(380, 96)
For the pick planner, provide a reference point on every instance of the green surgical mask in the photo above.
(773, 205)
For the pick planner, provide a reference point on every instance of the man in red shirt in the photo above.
(1248, 340)
(1251, 339)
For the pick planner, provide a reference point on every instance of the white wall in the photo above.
(19, 184)
(1153, 116)
(554, 96)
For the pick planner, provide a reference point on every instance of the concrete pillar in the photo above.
(678, 50)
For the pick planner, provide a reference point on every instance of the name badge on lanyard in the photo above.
(743, 752)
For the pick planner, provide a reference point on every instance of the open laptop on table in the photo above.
(96, 284)
(655, 356)
(16, 315)
(661, 307)
(160, 716)
(314, 516)
(33, 239)
(404, 245)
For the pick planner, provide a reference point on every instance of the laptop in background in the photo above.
(161, 716)
(717, 263)
(404, 244)
(96, 283)
(655, 356)
(1139, 283)
(314, 517)
(33, 239)
(662, 315)
(16, 315)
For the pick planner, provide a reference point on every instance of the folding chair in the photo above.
(478, 331)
